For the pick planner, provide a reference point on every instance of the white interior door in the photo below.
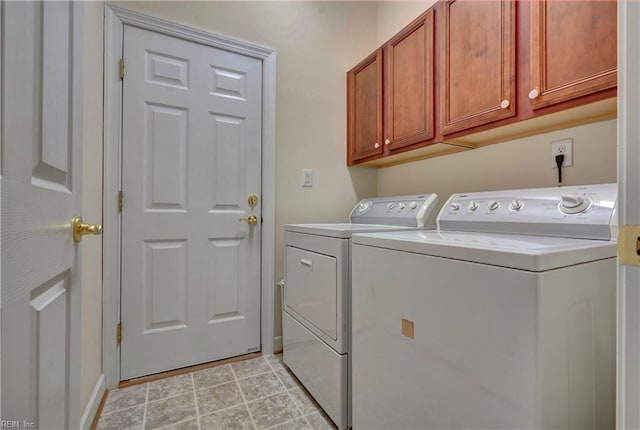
(628, 394)
(41, 189)
(191, 156)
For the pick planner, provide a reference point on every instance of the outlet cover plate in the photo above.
(565, 147)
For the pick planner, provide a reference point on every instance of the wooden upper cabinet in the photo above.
(478, 43)
(364, 109)
(409, 86)
(573, 49)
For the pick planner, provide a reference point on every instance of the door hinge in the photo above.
(629, 245)
(120, 200)
(121, 64)
(119, 333)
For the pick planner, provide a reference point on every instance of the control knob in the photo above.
(413, 205)
(516, 205)
(494, 205)
(362, 207)
(401, 205)
(454, 206)
(391, 206)
(473, 206)
(572, 204)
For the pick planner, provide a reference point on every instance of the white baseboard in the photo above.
(92, 405)
(277, 343)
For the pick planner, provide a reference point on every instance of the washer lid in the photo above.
(341, 230)
(532, 253)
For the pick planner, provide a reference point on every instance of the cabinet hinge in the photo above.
(119, 333)
(120, 200)
(121, 64)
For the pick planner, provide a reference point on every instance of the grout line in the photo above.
(287, 390)
(257, 374)
(195, 399)
(174, 424)
(243, 398)
(298, 386)
(146, 402)
(173, 396)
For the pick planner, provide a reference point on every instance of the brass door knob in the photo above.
(251, 219)
(80, 228)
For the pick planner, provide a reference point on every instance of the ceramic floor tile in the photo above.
(184, 425)
(287, 378)
(305, 402)
(170, 387)
(297, 424)
(273, 410)
(173, 410)
(213, 376)
(125, 398)
(255, 366)
(129, 419)
(219, 397)
(259, 386)
(319, 421)
(235, 418)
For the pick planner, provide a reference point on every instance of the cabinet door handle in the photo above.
(387, 141)
(307, 263)
(505, 104)
(377, 145)
(533, 94)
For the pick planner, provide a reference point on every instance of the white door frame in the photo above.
(628, 369)
(115, 19)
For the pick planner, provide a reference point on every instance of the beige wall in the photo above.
(522, 163)
(393, 16)
(91, 249)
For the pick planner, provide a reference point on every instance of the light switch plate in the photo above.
(307, 178)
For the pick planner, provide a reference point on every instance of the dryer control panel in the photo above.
(416, 210)
(585, 211)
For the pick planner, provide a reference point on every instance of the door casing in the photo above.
(115, 19)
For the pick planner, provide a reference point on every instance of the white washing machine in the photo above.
(317, 301)
(503, 318)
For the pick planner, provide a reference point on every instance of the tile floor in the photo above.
(259, 393)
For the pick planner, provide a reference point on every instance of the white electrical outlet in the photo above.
(562, 147)
(307, 178)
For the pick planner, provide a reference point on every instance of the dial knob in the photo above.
(454, 206)
(516, 205)
(391, 206)
(493, 205)
(413, 205)
(401, 205)
(572, 204)
(362, 207)
(473, 206)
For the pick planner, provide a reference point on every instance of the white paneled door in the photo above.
(41, 189)
(191, 158)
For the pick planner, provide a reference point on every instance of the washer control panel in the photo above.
(585, 211)
(416, 210)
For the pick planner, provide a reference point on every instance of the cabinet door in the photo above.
(409, 85)
(364, 109)
(573, 49)
(479, 69)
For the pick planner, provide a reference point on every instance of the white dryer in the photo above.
(502, 318)
(317, 301)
